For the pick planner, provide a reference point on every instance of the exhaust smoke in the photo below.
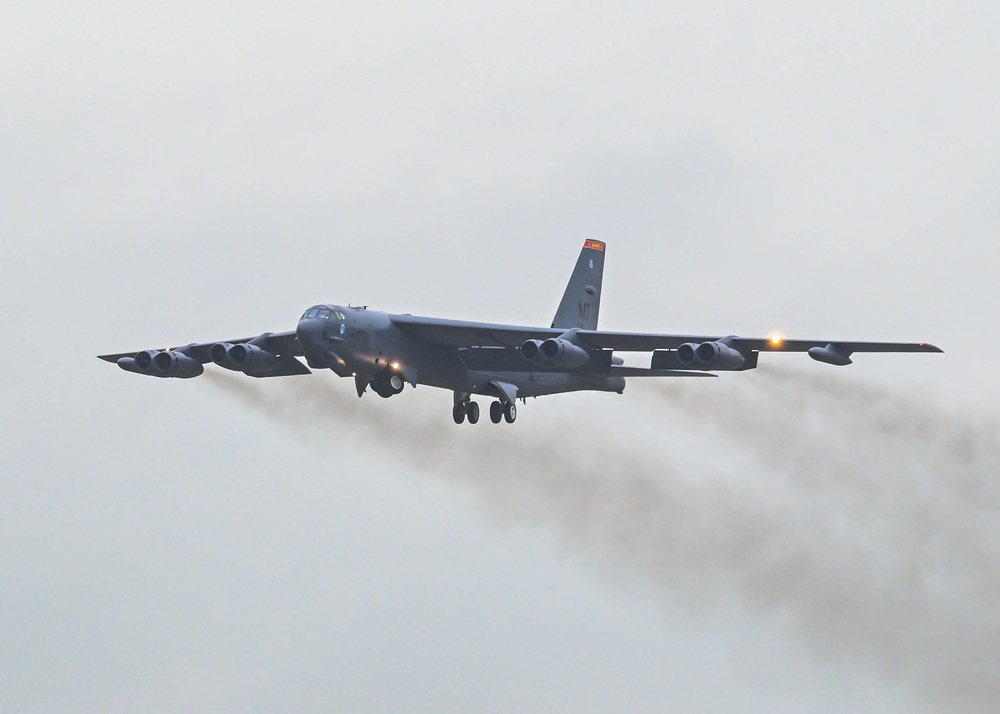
(864, 519)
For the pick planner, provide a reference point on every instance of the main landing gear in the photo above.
(507, 412)
(467, 409)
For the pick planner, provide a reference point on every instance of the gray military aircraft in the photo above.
(503, 362)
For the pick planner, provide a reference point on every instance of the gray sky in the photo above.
(798, 538)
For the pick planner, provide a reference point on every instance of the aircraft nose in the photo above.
(308, 329)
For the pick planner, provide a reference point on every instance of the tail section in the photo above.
(581, 302)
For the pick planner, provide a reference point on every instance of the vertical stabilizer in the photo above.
(582, 300)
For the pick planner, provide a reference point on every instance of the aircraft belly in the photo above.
(467, 370)
(543, 383)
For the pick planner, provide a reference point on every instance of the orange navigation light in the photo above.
(776, 340)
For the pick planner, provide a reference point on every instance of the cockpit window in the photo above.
(323, 313)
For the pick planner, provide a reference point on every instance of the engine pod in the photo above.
(563, 353)
(175, 364)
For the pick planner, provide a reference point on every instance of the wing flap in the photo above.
(288, 367)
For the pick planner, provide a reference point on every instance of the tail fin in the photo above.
(582, 300)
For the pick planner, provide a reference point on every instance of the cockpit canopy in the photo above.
(324, 312)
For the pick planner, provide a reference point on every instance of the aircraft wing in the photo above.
(640, 342)
(284, 345)
(280, 343)
(457, 333)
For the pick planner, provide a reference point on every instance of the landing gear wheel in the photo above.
(458, 413)
(510, 412)
(472, 411)
(496, 412)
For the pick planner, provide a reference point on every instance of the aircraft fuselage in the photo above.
(368, 345)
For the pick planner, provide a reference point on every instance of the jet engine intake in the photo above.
(529, 349)
(157, 363)
(554, 352)
(563, 353)
(709, 355)
(244, 357)
(219, 354)
(686, 353)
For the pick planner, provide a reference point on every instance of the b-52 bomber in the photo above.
(385, 352)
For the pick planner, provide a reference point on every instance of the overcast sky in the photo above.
(799, 538)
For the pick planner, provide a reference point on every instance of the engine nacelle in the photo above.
(686, 353)
(716, 355)
(244, 357)
(529, 349)
(219, 354)
(129, 365)
(562, 353)
(554, 352)
(162, 364)
(710, 355)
